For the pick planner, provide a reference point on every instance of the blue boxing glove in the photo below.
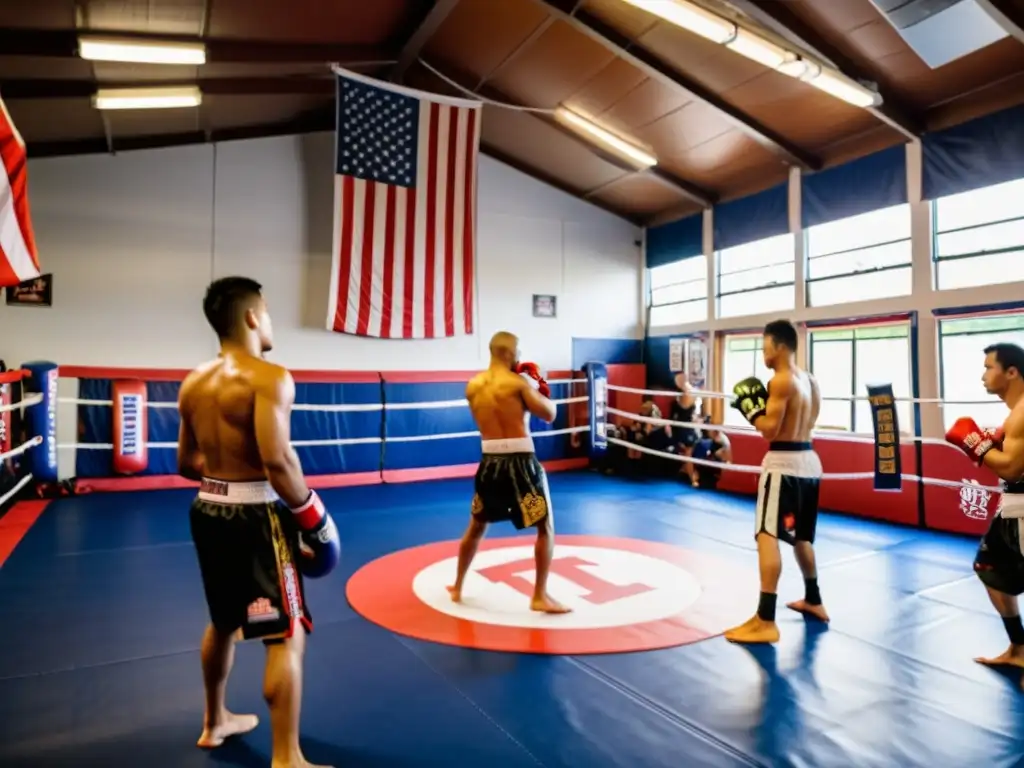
(319, 543)
(751, 398)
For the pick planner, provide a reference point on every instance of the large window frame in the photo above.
(857, 417)
(681, 285)
(765, 267)
(877, 245)
(742, 357)
(992, 216)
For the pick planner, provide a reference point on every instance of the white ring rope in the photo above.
(18, 486)
(37, 440)
(847, 398)
(33, 399)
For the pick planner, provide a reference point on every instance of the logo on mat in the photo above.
(974, 500)
(625, 595)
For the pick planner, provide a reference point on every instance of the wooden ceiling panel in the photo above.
(543, 147)
(842, 17)
(862, 144)
(480, 34)
(933, 86)
(38, 14)
(129, 122)
(606, 88)
(118, 72)
(43, 68)
(169, 17)
(748, 180)
(283, 69)
(323, 21)
(222, 111)
(713, 66)
(36, 123)
(643, 105)
(624, 18)
(640, 195)
(553, 67)
(720, 158)
(685, 128)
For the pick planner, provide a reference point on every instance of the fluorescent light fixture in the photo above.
(833, 83)
(147, 98)
(140, 51)
(636, 155)
(755, 48)
(689, 17)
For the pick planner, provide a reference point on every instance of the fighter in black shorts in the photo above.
(1000, 559)
(257, 527)
(510, 482)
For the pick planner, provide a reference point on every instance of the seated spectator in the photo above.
(685, 408)
(714, 446)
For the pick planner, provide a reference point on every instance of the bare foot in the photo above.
(754, 630)
(1008, 658)
(229, 725)
(802, 606)
(548, 605)
(456, 593)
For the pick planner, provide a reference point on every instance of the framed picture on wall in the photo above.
(37, 292)
(545, 306)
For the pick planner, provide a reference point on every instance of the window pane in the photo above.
(882, 332)
(673, 294)
(832, 366)
(994, 237)
(982, 324)
(756, 302)
(962, 360)
(743, 358)
(743, 343)
(980, 206)
(863, 287)
(780, 249)
(762, 277)
(890, 255)
(980, 270)
(679, 271)
(870, 228)
(678, 314)
(883, 361)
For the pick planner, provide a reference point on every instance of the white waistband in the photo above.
(1011, 505)
(793, 463)
(508, 445)
(223, 492)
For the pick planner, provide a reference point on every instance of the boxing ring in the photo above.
(104, 607)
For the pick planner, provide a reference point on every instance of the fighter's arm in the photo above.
(272, 421)
(190, 458)
(536, 403)
(779, 390)
(1007, 459)
(815, 399)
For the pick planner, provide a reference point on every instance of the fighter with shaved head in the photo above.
(510, 484)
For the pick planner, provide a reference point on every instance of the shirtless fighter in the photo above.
(1000, 559)
(256, 526)
(510, 484)
(787, 492)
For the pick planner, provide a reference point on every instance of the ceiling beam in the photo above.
(703, 197)
(1007, 15)
(58, 43)
(654, 67)
(427, 28)
(778, 18)
(33, 89)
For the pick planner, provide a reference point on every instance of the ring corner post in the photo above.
(597, 382)
(41, 420)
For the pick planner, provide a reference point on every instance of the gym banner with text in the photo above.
(888, 467)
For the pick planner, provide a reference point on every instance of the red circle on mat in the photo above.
(626, 595)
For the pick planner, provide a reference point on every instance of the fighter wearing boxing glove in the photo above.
(532, 371)
(751, 398)
(319, 543)
(972, 439)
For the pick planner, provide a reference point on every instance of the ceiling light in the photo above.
(638, 156)
(689, 17)
(140, 52)
(147, 98)
(755, 48)
(835, 84)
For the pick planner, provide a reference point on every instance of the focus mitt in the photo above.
(751, 398)
(531, 372)
(319, 543)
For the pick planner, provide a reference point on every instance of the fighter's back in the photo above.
(218, 399)
(495, 399)
(803, 402)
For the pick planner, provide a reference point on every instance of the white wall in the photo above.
(133, 239)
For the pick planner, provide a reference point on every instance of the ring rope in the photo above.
(328, 407)
(37, 440)
(17, 487)
(845, 398)
(25, 402)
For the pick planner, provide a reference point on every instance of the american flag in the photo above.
(19, 260)
(403, 264)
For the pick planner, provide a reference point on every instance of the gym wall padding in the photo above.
(752, 218)
(868, 184)
(675, 241)
(427, 421)
(607, 351)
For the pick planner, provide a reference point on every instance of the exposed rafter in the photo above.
(703, 197)
(654, 67)
(411, 51)
(1007, 15)
(776, 17)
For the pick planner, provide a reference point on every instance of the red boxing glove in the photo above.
(310, 514)
(532, 371)
(969, 437)
(996, 436)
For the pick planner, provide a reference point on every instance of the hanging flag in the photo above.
(19, 260)
(404, 257)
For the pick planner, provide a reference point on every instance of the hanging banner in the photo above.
(677, 355)
(888, 466)
(697, 363)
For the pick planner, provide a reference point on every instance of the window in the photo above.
(860, 258)
(679, 292)
(743, 358)
(846, 360)
(961, 364)
(979, 237)
(757, 277)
